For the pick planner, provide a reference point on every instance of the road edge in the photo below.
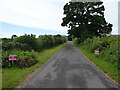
(35, 71)
(98, 67)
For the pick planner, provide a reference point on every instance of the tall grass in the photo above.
(109, 57)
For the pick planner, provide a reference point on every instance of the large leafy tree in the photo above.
(85, 19)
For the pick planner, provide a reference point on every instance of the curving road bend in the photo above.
(69, 69)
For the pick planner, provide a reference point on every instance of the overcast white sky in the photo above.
(46, 14)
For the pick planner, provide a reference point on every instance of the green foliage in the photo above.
(27, 41)
(24, 46)
(25, 59)
(85, 19)
(108, 46)
(109, 68)
(49, 41)
(16, 75)
(24, 43)
(77, 41)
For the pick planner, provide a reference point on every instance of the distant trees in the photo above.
(14, 36)
(58, 35)
(85, 19)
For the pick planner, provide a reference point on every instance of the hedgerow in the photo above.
(24, 47)
(108, 47)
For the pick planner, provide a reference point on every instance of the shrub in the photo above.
(48, 41)
(77, 41)
(23, 46)
(108, 46)
(28, 41)
(24, 43)
(24, 59)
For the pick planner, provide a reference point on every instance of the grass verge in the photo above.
(11, 77)
(110, 69)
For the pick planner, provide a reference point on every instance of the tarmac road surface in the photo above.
(69, 69)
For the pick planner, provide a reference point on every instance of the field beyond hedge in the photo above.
(109, 58)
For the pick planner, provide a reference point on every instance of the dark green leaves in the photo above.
(85, 19)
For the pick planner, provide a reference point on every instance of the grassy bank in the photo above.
(106, 66)
(13, 76)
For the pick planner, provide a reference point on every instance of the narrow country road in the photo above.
(69, 69)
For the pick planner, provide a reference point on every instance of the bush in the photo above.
(27, 41)
(77, 41)
(23, 46)
(108, 46)
(24, 43)
(24, 59)
(112, 53)
(48, 41)
(25, 62)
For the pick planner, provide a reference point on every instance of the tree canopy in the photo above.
(85, 19)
